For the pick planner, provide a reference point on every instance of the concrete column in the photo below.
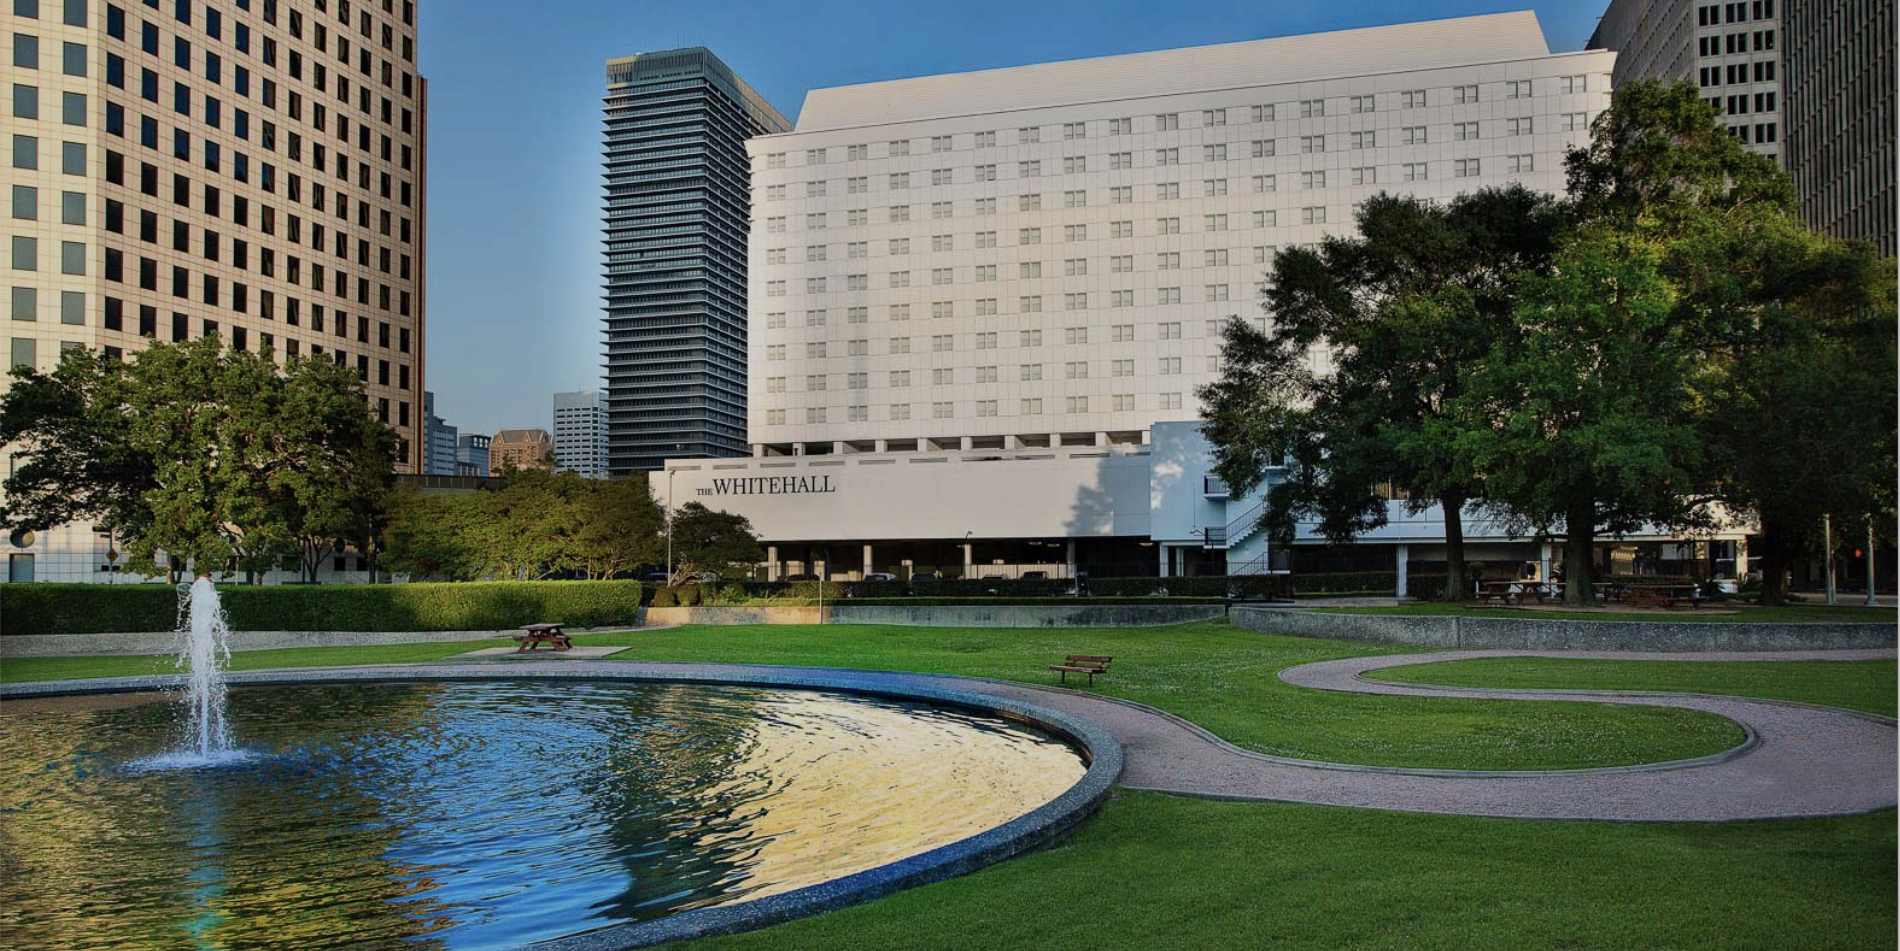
(883, 445)
(967, 562)
(867, 560)
(1404, 556)
(771, 563)
(1741, 560)
(1055, 440)
(838, 448)
(1161, 549)
(1101, 439)
(1068, 559)
(964, 443)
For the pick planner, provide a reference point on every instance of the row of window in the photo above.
(993, 339)
(1125, 161)
(1117, 403)
(1218, 152)
(1736, 73)
(1718, 14)
(946, 376)
(1171, 121)
(1728, 44)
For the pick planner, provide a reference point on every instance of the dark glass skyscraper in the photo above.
(678, 203)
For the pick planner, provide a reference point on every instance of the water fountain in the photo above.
(202, 654)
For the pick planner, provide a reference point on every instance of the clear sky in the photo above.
(514, 134)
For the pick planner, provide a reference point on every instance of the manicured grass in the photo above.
(18, 669)
(1158, 873)
(1736, 612)
(1867, 685)
(1226, 679)
(1223, 678)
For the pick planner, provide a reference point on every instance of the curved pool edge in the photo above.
(1039, 827)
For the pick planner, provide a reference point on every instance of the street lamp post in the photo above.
(669, 526)
(1870, 561)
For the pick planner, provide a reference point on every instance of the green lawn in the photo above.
(1161, 872)
(1748, 613)
(1223, 678)
(1867, 685)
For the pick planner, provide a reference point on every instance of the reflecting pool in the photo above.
(470, 815)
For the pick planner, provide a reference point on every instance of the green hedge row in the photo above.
(45, 608)
(952, 602)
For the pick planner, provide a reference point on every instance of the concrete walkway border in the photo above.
(1562, 634)
(1037, 828)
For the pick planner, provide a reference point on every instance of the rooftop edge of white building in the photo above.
(1310, 57)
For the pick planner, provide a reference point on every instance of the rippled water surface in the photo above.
(476, 815)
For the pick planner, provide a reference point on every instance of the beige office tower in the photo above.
(246, 169)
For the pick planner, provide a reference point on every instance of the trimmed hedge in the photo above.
(47, 608)
(960, 602)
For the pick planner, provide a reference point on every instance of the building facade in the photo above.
(983, 303)
(1840, 76)
(251, 172)
(438, 452)
(676, 214)
(1732, 51)
(1810, 83)
(471, 455)
(520, 449)
(580, 434)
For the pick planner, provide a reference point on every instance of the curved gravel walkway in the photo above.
(1800, 760)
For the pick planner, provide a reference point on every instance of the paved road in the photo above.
(1801, 760)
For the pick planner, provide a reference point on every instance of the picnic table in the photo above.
(1659, 594)
(1512, 592)
(532, 636)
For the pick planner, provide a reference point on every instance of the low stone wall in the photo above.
(166, 642)
(958, 615)
(1557, 634)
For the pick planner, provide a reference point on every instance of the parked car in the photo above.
(926, 576)
(1035, 576)
(705, 577)
(801, 577)
(996, 577)
(655, 577)
(880, 576)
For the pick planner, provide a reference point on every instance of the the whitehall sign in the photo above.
(772, 485)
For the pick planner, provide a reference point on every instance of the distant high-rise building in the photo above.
(471, 455)
(438, 448)
(1839, 57)
(580, 436)
(1731, 51)
(678, 205)
(521, 449)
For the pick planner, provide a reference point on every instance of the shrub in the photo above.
(732, 593)
(666, 598)
(45, 608)
(688, 595)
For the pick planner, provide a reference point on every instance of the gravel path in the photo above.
(1800, 760)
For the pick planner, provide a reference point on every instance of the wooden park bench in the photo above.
(532, 636)
(1090, 664)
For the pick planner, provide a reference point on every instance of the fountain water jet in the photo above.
(202, 654)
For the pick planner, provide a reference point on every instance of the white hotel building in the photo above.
(980, 304)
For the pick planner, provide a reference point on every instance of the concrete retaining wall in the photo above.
(959, 615)
(1530, 633)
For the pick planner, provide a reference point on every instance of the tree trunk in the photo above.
(1774, 563)
(1457, 586)
(1579, 551)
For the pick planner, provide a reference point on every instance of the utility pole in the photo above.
(1827, 543)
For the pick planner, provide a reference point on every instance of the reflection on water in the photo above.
(477, 815)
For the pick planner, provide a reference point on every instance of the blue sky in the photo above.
(514, 135)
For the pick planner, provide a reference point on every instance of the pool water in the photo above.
(474, 815)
